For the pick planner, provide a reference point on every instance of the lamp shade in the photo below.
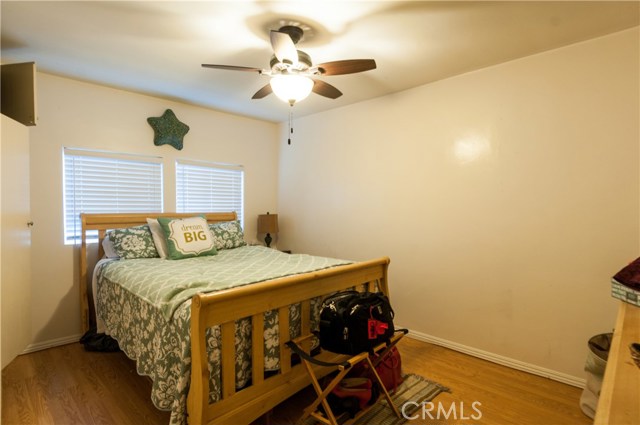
(291, 88)
(268, 223)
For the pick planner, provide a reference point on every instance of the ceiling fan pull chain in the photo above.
(290, 125)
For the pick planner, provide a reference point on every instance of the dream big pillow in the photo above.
(187, 237)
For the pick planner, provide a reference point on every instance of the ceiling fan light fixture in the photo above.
(291, 88)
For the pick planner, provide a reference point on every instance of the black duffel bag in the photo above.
(352, 322)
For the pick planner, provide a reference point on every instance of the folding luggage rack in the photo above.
(328, 417)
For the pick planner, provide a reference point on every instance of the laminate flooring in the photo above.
(67, 386)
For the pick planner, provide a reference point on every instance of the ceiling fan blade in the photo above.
(284, 48)
(232, 68)
(350, 66)
(325, 89)
(264, 91)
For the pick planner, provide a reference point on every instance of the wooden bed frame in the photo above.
(225, 307)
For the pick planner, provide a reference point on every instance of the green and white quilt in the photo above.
(145, 305)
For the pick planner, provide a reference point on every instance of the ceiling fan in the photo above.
(292, 70)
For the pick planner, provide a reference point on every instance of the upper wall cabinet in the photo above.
(19, 92)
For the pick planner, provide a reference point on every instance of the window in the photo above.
(104, 182)
(202, 186)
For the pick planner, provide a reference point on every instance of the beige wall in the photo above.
(506, 199)
(77, 114)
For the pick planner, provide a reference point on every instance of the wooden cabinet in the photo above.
(619, 402)
(18, 92)
(15, 247)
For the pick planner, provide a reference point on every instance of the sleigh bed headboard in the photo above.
(104, 222)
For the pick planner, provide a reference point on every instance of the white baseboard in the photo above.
(501, 360)
(485, 355)
(51, 343)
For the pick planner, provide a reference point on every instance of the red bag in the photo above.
(389, 369)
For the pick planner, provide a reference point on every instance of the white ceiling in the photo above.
(157, 47)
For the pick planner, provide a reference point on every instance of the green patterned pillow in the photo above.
(227, 235)
(133, 242)
(187, 237)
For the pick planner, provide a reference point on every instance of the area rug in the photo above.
(413, 391)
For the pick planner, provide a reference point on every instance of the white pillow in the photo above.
(159, 239)
(109, 250)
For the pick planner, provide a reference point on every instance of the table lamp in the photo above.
(268, 223)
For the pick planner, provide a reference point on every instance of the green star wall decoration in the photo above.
(168, 129)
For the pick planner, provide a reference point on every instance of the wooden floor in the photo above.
(67, 385)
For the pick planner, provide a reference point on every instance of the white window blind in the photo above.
(204, 187)
(104, 182)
